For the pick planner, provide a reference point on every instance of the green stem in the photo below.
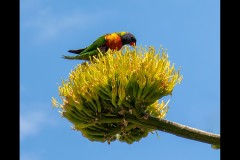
(169, 127)
(183, 131)
(179, 130)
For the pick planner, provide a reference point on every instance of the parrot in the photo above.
(113, 41)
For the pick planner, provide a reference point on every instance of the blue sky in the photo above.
(190, 30)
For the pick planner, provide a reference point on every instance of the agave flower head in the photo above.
(106, 99)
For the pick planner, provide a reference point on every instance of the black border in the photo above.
(10, 72)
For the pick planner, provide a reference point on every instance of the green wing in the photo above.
(84, 56)
(96, 44)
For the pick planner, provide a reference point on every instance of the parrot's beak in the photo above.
(132, 44)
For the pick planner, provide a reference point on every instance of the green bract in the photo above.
(111, 97)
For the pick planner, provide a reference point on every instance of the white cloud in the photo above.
(30, 156)
(28, 4)
(32, 123)
(22, 88)
(48, 25)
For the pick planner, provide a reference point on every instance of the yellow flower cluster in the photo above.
(106, 98)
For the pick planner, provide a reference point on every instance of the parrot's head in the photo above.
(128, 38)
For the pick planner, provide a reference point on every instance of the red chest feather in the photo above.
(113, 41)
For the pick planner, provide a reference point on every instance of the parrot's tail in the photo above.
(69, 57)
(78, 57)
(76, 51)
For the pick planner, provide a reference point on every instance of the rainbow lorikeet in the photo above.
(113, 41)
